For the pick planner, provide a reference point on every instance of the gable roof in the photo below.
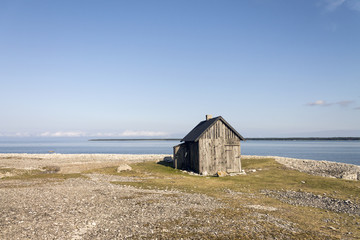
(195, 134)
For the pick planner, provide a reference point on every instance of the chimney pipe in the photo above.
(208, 117)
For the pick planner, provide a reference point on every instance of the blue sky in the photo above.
(155, 68)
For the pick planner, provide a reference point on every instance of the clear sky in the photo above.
(156, 67)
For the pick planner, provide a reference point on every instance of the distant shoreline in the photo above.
(251, 139)
(138, 139)
(308, 138)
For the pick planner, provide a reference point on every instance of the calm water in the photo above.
(338, 151)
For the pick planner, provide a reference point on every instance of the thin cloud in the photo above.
(108, 134)
(333, 5)
(344, 103)
(354, 5)
(130, 133)
(318, 103)
(63, 134)
(126, 133)
(357, 108)
(17, 134)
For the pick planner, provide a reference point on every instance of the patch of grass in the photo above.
(273, 177)
(312, 223)
(6, 170)
(247, 163)
(38, 174)
(277, 177)
(50, 175)
(105, 170)
(51, 169)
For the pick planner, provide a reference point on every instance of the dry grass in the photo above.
(45, 173)
(288, 221)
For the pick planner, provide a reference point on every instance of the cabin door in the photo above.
(232, 158)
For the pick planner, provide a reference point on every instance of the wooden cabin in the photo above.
(212, 146)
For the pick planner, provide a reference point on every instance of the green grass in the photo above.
(273, 176)
(48, 173)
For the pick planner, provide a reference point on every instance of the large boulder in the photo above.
(123, 167)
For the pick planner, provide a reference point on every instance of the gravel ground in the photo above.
(93, 208)
(312, 200)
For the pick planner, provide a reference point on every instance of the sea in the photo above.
(344, 151)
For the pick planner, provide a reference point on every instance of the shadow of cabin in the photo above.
(212, 146)
(167, 162)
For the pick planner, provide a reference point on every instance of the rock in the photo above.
(353, 176)
(322, 168)
(7, 174)
(259, 207)
(221, 174)
(124, 167)
(51, 169)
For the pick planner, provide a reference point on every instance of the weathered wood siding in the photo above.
(193, 156)
(219, 150)
(186, 156)
(180, 156)
(219, 130)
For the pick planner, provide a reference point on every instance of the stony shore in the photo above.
(319, 168)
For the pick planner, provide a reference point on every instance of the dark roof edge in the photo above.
(212, 120)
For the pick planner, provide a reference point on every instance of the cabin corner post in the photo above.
(199, 159)
(174, 157)
(240, 167)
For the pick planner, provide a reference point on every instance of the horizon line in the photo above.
(250, 138)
